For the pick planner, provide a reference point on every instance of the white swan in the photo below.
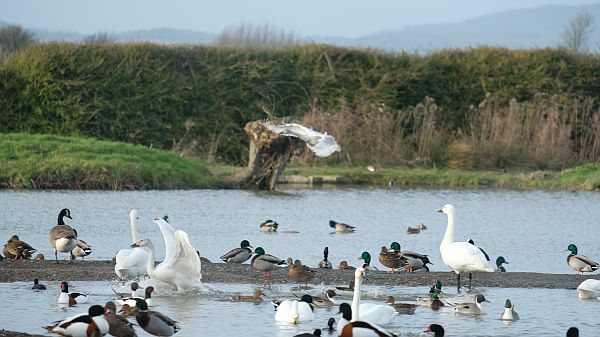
(462, 257)
(294, 311)
(131, 262)
(371, 314)
(181, 267)
(376, 314)
(589, 288)
(322, 144)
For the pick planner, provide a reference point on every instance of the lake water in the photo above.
(544, 312)
(530, 229)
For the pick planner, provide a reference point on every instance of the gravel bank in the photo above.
(12, 271)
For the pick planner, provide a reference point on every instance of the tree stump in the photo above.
(268, 155)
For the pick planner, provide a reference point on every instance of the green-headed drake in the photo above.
(412, 261)
(499, 261)
(367, 258)
(265, 263)
(238, 255)
(580, 263)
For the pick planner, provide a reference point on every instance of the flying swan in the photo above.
(322, 144)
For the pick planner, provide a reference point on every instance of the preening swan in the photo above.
(589, 288)
(131, 262)
(322, 144)
(294, 311)
(462, 257)
(181, 267)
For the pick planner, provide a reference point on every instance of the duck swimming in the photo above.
(509, 313)
(471, 308)
(269, 226)
(401, 308)
(580, 263)
(70, 298)
(255, 297)
(154, 322)
(438, 330)
(37, 285)
(118, 325)
(341, 227)
(90, 324)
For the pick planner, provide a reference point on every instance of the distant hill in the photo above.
(520, 28)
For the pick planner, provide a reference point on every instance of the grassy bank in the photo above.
(585, 177)
(53, 162)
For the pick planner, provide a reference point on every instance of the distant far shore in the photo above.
(15, 271)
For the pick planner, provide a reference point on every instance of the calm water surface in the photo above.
(530, 229)
(543, 312)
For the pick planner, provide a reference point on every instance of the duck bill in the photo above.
(429, 327)
(134, 245)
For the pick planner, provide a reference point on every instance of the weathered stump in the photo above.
(268, 155)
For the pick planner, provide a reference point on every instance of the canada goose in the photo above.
(326, 264)
(62, 237)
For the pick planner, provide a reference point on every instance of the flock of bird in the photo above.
(181, 269)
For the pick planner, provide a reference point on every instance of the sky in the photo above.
(348, 18)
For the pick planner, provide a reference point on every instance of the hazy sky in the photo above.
(349, 18)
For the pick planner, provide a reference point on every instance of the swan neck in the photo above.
(356, 298)
(150, 264)
(449, 236)
(134, 234)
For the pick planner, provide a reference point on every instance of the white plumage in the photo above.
(589, 288)
(322, 144)
(181, 267)
(131, 262)
(294, 311)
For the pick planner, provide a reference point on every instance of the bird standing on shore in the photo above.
(82, 249)
(390, 259)
(580, 263)
(62, 237)
(462, 257)
(17, 249)
(300, 273)
(238, 255)
(265, 263)
(365, 256)
(325, 263)
(499, 261)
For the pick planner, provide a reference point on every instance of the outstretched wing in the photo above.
(168, 233)
(322, 144)
(186, 258)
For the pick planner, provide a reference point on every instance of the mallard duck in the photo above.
(346, 290)
(344, 265)
(341, 227)
(269, 226)
(325, 263)
(294, 311)
(438, 330)
(580, 263)
(411, 230)
(573, 332)
(265, 263)
(154, 322)
(367, 258)
(589, 288)
(469, 308)
(37, 286)
(238, 255)
(82, 249)
(300, 273)
(90, 324)
(70, 298)
(499, 261)
(40, 257)
(349, 326)
(17, 249)
(462, 257)
(401, 308)
(433, 301)
(390, 259)
(509, 313)
(118, 325)
(132, 301)
(411, 261)
(62, 237)
(255, 297)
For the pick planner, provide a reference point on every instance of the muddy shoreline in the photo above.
(14, 271)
